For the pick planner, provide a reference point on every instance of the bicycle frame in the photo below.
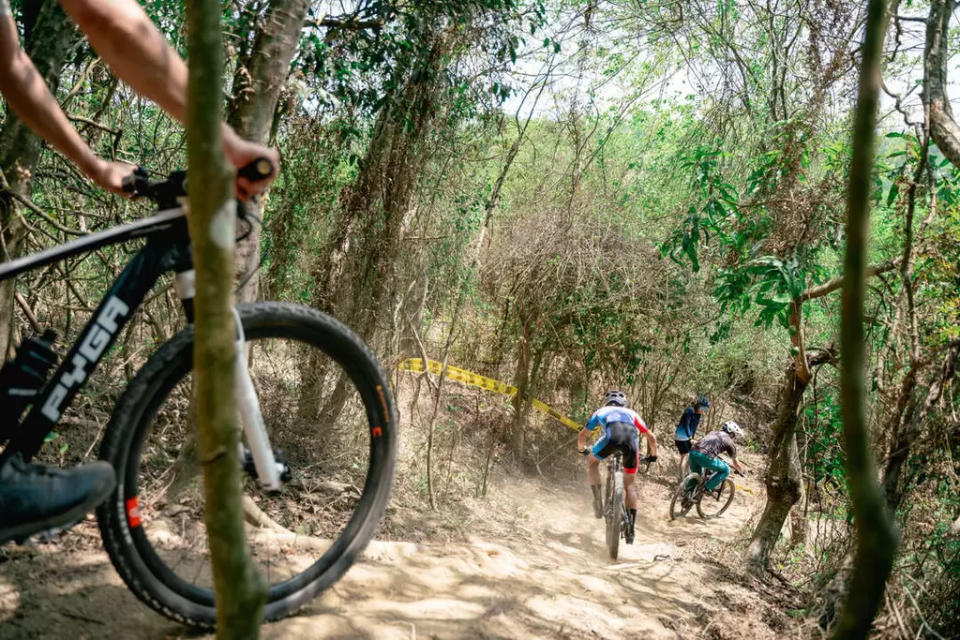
(167, 249)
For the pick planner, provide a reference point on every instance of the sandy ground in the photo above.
(547, 576)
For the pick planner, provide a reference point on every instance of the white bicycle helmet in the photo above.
(617, 398)
(732, 428)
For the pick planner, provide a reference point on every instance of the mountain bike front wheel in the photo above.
(331, 423)
(712, 505)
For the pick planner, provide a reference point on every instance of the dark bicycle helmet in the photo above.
(616, 398)
(703, 402)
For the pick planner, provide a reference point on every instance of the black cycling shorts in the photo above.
(683, 446)
(621, 437)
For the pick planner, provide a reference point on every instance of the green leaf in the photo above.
(892, 194)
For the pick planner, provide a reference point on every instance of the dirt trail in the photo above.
(548, 578)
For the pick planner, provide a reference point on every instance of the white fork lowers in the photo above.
(254, 430)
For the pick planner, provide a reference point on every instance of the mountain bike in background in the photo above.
(614, 507)
(691, 491)
(318, 443)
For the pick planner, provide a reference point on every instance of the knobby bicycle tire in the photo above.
(135, 555)
(714, 507)
(613, 512)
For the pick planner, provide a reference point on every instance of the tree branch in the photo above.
(832, 285)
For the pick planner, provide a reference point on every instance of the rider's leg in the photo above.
(722, 471)
(631, 460)
(697, 462)
(630, 487)
(593, 477)
(683, 448)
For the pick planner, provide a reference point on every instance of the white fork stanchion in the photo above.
(268, 472)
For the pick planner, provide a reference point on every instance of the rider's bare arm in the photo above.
(28, 96)
(651, 443)
(123, 35)
(582, 439)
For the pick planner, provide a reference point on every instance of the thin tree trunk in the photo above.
(48, 42)
(256, 88)
(908, 429)
(876, 535)
(240, 589)
(783, 478)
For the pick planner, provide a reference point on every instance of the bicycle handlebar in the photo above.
(165, 192)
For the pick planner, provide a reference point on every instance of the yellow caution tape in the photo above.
(748, 490)
(475, 379)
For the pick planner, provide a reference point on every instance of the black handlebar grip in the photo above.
(260, 169)
(130, 183)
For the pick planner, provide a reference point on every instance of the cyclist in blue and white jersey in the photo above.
(620, 430)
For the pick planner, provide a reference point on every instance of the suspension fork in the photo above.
(254, 429)
(248, 405)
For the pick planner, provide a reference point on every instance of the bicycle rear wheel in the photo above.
(682, 500)
(613, 512)
(330, 419)
(711, 505)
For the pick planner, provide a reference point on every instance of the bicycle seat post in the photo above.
(185, 284)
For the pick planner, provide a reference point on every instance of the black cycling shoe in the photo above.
(35, 498)
(629, 537)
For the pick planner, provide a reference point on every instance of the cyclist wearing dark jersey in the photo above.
(706, 453)
(687, 428)
(620, 430)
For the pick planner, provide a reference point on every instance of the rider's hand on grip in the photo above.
(260, 169)
(136, 183)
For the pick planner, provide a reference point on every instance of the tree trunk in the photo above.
(256, 88)
(943, 129)
(907, 430)
(521, 401)
(240, 589)
(783, 478)
(48, 42)
(876, 535)
(355, 276)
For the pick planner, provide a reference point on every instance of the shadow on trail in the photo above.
(546, 575)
